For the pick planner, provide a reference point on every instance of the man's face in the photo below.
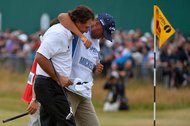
(84, 27)
(97, 29)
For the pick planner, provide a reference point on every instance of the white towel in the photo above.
(81, 88)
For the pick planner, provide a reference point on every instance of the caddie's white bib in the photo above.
(83, 63)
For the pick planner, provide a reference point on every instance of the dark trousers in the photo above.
(54, 104)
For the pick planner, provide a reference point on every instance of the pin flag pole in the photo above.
(154, 106)
(154, 80)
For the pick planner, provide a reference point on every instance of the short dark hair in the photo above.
(81, 14)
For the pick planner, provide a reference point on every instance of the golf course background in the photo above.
(173, 105)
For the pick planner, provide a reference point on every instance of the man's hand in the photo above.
(98, 68)
(64, 81)
(33, 106)
(86, 42)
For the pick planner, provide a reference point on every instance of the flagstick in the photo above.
(163, 34)
(154, 80)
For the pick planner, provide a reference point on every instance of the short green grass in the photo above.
(145, 118)
(130, 118)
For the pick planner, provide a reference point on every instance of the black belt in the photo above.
(42, 77)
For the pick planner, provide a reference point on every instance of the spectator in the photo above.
(115, 100)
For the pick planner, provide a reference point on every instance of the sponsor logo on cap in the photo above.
(102, 22)
(111, 28)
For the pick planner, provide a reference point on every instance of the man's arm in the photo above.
(66, 21)
(33, 106)
(46, 65)
(98, 68)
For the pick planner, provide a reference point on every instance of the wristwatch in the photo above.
(34, 100)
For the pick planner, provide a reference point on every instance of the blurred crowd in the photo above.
(17, 49)
(18, 44)
(131, 53)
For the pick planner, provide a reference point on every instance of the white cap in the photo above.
(23, 37)
(143, 39)
(114, 74)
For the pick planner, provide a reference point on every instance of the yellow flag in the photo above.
(162, 28)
